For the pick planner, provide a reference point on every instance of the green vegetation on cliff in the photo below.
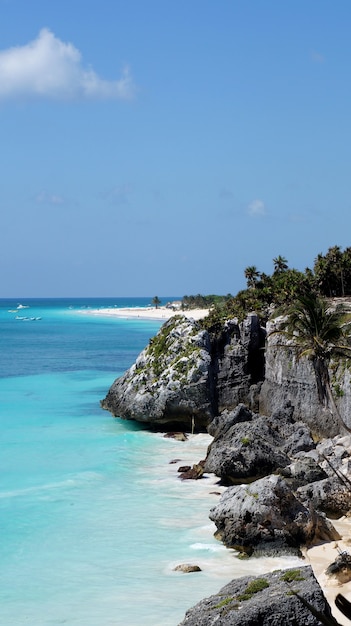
(330, 278)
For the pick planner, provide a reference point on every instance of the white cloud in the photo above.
(256, 207)
(49, 68)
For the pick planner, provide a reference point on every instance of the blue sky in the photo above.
(162, 146)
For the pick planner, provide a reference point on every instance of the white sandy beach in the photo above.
(147, 313)
(320, 557)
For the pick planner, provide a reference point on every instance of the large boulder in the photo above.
(248, 446)
(328, 495)
(265, 518)
(249, 451)
(170, 383)
(224, 421)
(301, 472)
(264, 601)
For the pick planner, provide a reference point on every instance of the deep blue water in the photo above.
(93, 516)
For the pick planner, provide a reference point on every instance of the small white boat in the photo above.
(27, 319)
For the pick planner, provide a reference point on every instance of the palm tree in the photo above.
(280, 264)
(251, 274)
(156, 301)
(318, 332)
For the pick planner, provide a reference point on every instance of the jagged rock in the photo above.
(265, 518)
(328, 495)
(299, 440)
(302, 472)
(331, 494)
(170, 382)
(263, 601)
(222, 422)
(238, 361)
(247, 446)
(187, 568)
(246, 450)
(296, 435)
(334, 456)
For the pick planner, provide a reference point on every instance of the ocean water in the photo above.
(93, 515)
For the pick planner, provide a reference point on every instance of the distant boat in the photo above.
(22, 306)
(27, 319)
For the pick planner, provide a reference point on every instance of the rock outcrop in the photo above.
(265, 601)
(186, 376)
(285, 484)
(265, 518)
(170, 382)
(238, 362)
(288, 379)
(247, 446)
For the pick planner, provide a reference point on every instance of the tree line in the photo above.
(329, 278)
(315, 329)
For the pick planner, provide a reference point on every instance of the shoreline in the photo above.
(146, 313)
(319, 557)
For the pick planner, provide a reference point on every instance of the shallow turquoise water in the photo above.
(93, 516)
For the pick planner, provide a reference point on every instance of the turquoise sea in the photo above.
(93, 515)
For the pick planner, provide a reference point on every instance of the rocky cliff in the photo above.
(290, 379)
(186, 375)
(245, 386)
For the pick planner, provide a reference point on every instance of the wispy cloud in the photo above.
(49, 68)
(49, 198)
(256, 208)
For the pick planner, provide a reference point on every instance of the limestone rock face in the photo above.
(290, 379)
(238, 361)
(186, 375)
(265, 518)
(263, 601)
(170, 382)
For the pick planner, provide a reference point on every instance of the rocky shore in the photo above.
(281, 455)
